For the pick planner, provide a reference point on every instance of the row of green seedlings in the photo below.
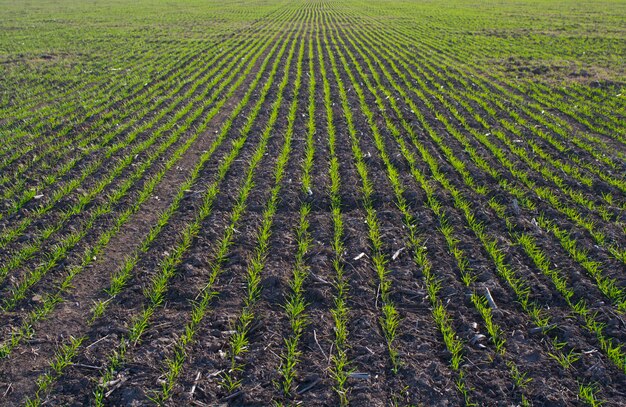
(459, 165)
(491, 172)
(61, 249)
(545, 193)
(461, 56)
(516, 127)
(188, 57)
(30, 249)
(99, 134)
(577, 196)
(159, 284)
(43, 97)
(565, 359)
(568, 355)
(541, 260)
(563, 146)
(415, 245)
(390, 319)
(22, 142)
(120, 279)
(179, 59)
(611, 96)
(520, 288)
(593, 100)
(517, 84)
(596, 147)
(85, 199)
(340, 368)
(579, 111)
(18, 193)
(479, 301)
(585, 101)
(238, 341)
(142, 63)
(440, 314)
(41, 94)
(9, 235)
(588, 392)
(541, 117)
(50, 301)
(295, 307)
(108, 127)
(490, 244)
(38, 93)
(98, 121)
(64, 137)
(599, 155)
(608, 286)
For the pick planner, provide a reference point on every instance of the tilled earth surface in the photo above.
(312, 203)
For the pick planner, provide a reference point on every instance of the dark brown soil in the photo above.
(426, 375)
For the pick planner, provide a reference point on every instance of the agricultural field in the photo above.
(312, 202)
